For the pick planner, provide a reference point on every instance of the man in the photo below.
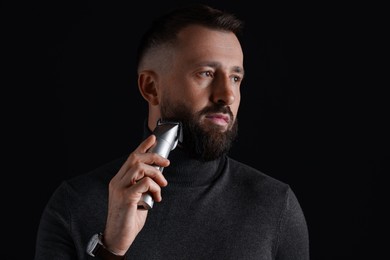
(208, 205)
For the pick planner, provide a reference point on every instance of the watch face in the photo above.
(92, 244)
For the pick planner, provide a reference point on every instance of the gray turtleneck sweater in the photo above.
(220, 209)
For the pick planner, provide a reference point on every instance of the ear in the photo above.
(147, 84)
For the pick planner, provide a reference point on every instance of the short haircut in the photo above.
(165, 29)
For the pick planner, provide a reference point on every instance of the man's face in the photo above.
(202, 89)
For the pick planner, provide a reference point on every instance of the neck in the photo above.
(190, 171)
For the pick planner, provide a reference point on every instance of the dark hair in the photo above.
(164, 29)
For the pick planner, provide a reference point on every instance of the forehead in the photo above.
(194, 41)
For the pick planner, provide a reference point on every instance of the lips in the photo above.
(218, 118)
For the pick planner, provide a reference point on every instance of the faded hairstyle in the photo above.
(165, 29)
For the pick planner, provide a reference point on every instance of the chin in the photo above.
(207, 127)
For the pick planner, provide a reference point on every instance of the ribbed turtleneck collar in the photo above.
(188, 171)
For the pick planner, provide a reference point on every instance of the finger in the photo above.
(146, 185)
(142, 148)
(142, 165)
(136, 159)
(140, 171)
(146, 144)
(134, 156)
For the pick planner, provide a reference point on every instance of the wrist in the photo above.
(96, 248)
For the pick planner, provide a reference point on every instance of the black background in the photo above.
(312, 112)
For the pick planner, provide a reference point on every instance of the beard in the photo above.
(202, 142)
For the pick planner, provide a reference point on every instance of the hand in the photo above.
(136, 176)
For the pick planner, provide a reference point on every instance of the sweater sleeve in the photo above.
(293, 241)
(53, 238)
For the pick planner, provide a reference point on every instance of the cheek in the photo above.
(195, 98)
(236, 105)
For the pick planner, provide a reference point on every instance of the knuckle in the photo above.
(147, 181)
(137, 166)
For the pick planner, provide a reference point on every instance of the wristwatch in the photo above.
(96, 248)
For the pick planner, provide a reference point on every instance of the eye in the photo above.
(236, 79)
(206, 73)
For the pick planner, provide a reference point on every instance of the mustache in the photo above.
(217, 109)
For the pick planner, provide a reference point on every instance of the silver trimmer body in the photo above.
(168, 134)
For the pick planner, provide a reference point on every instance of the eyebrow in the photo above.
(239, 70)
(214, 64)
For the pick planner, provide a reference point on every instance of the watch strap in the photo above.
(101, 252)
(104, 254)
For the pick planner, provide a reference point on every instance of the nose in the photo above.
(223, 91)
